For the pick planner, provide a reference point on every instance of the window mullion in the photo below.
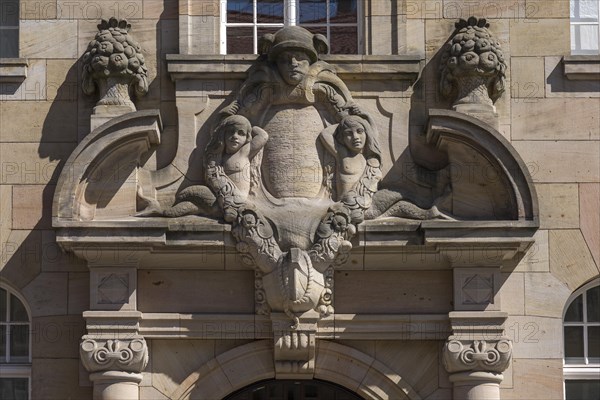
(291, 12)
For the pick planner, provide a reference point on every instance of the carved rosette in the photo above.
(477, 355)
(472, 68)
(128, 355)
(113, 64)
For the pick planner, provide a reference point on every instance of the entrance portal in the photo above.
(293, 390)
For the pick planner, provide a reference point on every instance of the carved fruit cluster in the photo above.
(114, 53)
(473, 51)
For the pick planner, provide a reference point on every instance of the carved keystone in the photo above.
(295, 348)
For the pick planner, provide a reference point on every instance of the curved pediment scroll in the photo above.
(488, 177)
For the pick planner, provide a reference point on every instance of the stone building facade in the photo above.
(418, 219)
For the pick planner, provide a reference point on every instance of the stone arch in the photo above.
(253, 362)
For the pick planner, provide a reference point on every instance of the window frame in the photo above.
(22, 368)
(290, 18)
(12, 28)
(585, 370)
(577, 21)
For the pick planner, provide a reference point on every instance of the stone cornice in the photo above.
(349, 67)
(581, 67)
(13, 70)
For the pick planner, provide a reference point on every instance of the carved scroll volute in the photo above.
(127, 355)
(477, 355)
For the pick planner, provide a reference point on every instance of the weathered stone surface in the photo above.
(38, 121)
(54, 259)
(512, 293)
(532, 38)
(535, 337)
(556, 119)
(536, 259)
(558, 210)
(56, 336)
(424, 9)
(484, 9)
(99, 9)
(392, 291)
(55, 378)
(415, 362)
(536, 380)
(62, 82)
(6, 221)
(21, 257)
(33, 88)
(150, 393)
(570, 258)
(163, 9)
(415, 38)
(60, 39)
(527, 80)
(564, 161)
(199, 7)
(546, 295)
(79, 293)
(32, 163)
(47, 294)
(200, 291)
(32, 206)
(547, 9)
(38, 9)
(589, 204)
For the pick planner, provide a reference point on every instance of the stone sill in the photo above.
(582, 67)
(13, 70)
(357, 67)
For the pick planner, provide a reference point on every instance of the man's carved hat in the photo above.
(293, 38)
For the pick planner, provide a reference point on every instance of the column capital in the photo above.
(477, 355)
(127, 355)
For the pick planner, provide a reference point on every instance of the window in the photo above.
(243, 22)
(9, 28)
(585, 26)
(582, 343)
(15, 357)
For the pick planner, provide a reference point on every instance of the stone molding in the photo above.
(13, 70)
(580, 67)
(477, 355)
(127, 355)
(336, 363)
(349, 67)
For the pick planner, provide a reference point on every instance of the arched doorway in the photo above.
(293, 390)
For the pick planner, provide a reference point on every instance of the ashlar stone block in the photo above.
(536, 259)
(570, 258)
(47, 294)
(527, 79)
(547, 8)
(540, 37)
(535, 379)
(48, 39)
(545, 295)
(589, 204)
(559, 208)
(32, 206)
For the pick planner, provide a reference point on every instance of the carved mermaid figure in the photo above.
(235, 142)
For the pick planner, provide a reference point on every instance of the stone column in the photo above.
(476, 354)
(115, 366)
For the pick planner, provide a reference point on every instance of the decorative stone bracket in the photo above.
(295, 348)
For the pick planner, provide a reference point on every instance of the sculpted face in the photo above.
(354, 137)
(293, 65)
(235, 137)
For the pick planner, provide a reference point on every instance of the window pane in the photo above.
(240, 40)
(14, 388)
(582, 389)
(269, 11)
(19, 341)
(593, 341)
(573, 341)
(593, 304)
(343, 40)
(17, 310)
(3, 305)
(588, 9)
(3, 343)
(575, 311)
(239, 11)
(261, 31)
(317, 29)
(343, 11)
(9, 12)
(312, 11)
(588, 37)
(9, 43)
